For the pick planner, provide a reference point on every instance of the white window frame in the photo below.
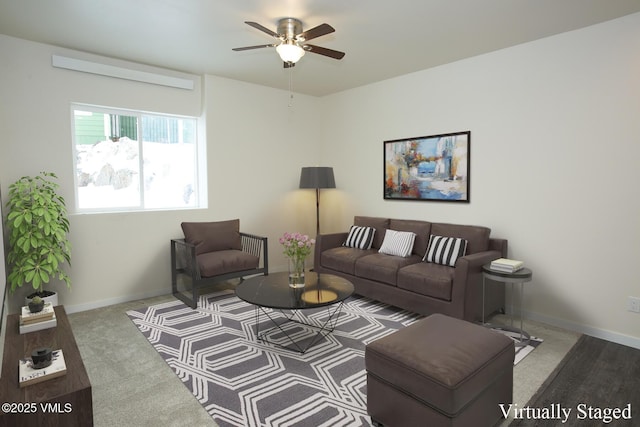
(200, 183)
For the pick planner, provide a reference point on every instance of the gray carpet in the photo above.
(133, 386)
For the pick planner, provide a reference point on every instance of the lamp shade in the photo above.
(317, 177)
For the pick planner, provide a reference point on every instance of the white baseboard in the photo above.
(604, 334)
(111, 301)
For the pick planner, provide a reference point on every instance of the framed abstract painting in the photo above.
(429, 168)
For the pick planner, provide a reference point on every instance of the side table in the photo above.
(521, 276)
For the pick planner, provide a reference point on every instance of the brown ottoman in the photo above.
(439, 371)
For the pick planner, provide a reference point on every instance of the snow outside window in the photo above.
(128, 160)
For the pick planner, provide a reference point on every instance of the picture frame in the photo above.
(428, 168)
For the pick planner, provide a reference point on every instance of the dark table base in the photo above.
(287, 339)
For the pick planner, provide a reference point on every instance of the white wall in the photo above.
(257, 144)
(554, 163)
(254, 154)
(554, 129)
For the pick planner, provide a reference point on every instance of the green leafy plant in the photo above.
(38, 226)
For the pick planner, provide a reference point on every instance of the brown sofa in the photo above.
(409, 282)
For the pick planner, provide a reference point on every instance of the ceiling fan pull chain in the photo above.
(290, 87)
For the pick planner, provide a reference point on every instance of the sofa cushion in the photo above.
(476, 236)
(421, 228)
(360, 237)
(380, 224)
(342, 258)
(225, 261)
(432, 280)
(398, 243)
(382, 268)
(213, 236)
(445, 250)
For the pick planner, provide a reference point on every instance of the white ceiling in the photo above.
(381, 38)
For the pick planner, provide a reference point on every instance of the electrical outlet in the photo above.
(633, 304)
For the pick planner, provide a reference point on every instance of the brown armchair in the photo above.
(213, 252)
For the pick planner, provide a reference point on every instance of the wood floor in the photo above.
(597, 383)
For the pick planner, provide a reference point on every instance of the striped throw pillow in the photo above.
(360, 237)
(445, 250)
(398, 243)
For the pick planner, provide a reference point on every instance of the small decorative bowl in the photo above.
(36, 307)
(41, 357)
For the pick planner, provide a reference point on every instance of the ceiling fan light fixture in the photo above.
(291, 43)
(289, 51)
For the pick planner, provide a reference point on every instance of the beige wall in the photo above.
(554, 163)
(554, 130)
(256, 145)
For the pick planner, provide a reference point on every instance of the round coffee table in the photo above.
(282, 304)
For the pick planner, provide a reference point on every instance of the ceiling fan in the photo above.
(292, 43)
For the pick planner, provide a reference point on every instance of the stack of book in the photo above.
(505, 265)
(30, 375)
(30, 322)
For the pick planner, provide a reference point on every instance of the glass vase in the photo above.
(296, 272)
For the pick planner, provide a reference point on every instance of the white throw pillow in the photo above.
(360, 237)
(445, 250)
(398, 243)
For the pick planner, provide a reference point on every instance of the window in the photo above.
(129, 160)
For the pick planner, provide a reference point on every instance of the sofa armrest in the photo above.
(467, 282)
(479, 259)
(466, 267)
(499, 245)
(327, 241)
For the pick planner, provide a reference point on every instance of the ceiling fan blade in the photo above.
(262, 28)
(318, 31)
(238, 49)
(288, 64)
(335, 54)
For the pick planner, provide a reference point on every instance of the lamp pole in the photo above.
(317, 212)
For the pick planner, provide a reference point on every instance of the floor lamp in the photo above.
(317, 178)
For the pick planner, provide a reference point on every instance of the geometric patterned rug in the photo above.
(241, 381)
(523, 351)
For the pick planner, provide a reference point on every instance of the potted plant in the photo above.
(38, 226)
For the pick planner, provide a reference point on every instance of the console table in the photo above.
(62, 401)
